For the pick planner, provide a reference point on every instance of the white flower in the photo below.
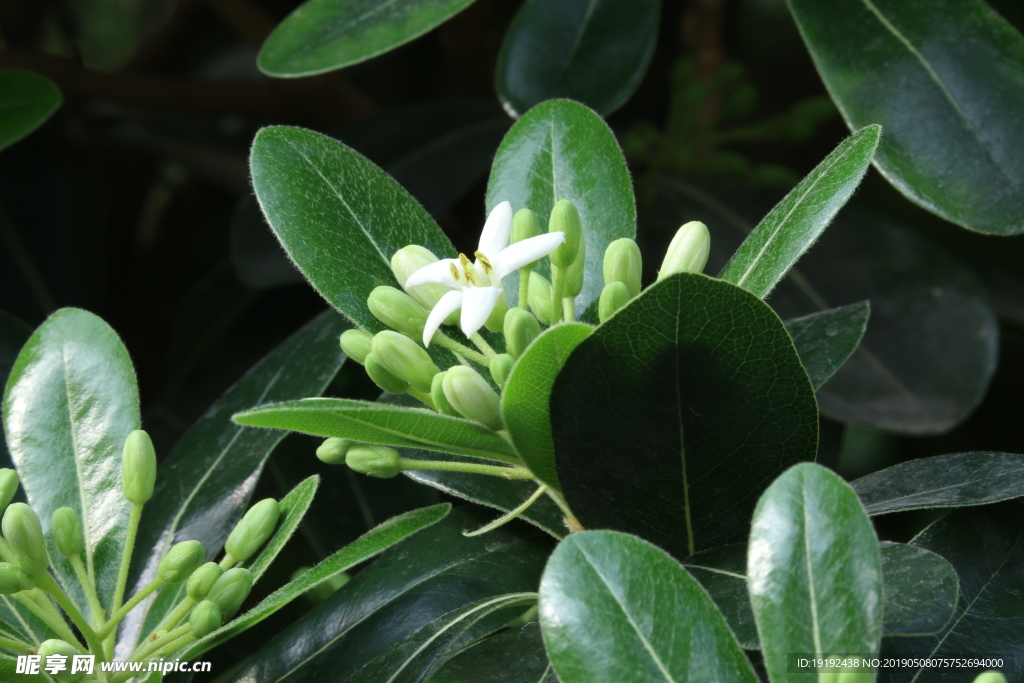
(476, 286)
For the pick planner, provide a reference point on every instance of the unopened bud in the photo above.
(13, 580)
(67, 532)
(205, 619)
(181, 560)
(623, 263)
(990, 677)
(231, 590)
(54, 647)
(565, 218)
(501, 368)
(25, 536)
(440, 400)
(540, 297)
(521, 328)
(405, 359)
(202, 580)
(496, 320)
(253, 530)
(8, 487)
(472, 396)
(614, 296)
(138, 467)
(688, 251)
(374, 461)
(356, 344)
(574, 273)
(332, 451)
(525, 224)
(397, 310)
(383, 378)
(407, 261)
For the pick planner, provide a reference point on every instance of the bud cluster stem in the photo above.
(409, 465)
(557, 287)
(16, 645)
(172, 618)
(524, 288)
(48, 615)
(95, 606)
(482, 344)
(447, 342)
(47, 584)
(121, 613)
(126, 560)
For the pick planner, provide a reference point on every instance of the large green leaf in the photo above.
(615, 608)
(986, 548)
(339, 216)
(946, 81)
(592, 51)
(70, 403)
(383, 424)
(414, 583)
(372, 543)
(323, 35)
(514, 656)
(26, 101)
(203, 486)
(815, 574)
(689, 397)
(563, 150)
(789, 229)
(826, 340)
(525, 401)
(942, 481)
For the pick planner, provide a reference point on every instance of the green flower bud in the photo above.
(397, 310)
(472, 396)
(521, 328)
(440, 400)
(623, 263)
(525, 224)
(374, 461)
(501, 368)
(990, 677)
(540, 297)
(205, 619)
(332, 451)
(58, 647)
(202, 580)
(496, 320)
(67, 532)
(138, 467)
(574, 273)
(688, 251)
(25, 536)
(8, 487)
(614, 296)
(383, 378)
(356, 344)
(13, 580)
(231, 590)
(405, 359)
(253, 530)
(407, 261)
(565, 218)
(181, 561)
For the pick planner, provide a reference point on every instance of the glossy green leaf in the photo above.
(942, 481)
(986, 548)
(339, 217)
(815, 574)
(513, 656)
(323, 35)
(372, 543)
(382, 424)
(691, 395)
(293, 508)
(525, 401)
(71, 401)
(946, 81)
(204, 485)
(920, 590)
(13, 335)
(826, 340)
(414, 583)
(26, 101)
(563, 150)
(789, 229)
(615, 608)
(591, 51)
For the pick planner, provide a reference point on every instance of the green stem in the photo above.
(408, 465)
(482, 344)
(524, 287)
(559, 501)
(228, 562)
(175, 615)
(120, 614)
(569, 308)
(95, 606)
(557, 287)
(46, 582)
(16, 646)
(461, 349)
(126, 557)
(510, 515)
(162, 641)
(50, 617)
(421, 396)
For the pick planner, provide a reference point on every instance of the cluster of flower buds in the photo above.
(214, 591)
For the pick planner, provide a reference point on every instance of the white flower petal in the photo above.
(477, 304)
(437, 273)
(515, 256)
(446, 305)
(497, 227)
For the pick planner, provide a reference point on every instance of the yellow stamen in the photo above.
(467, 268)
(484, 262)
(455, 271)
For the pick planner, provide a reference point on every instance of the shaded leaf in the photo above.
(513, 656)
(826, 340)
(722, 571)
(920, 590)
(26, 101)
